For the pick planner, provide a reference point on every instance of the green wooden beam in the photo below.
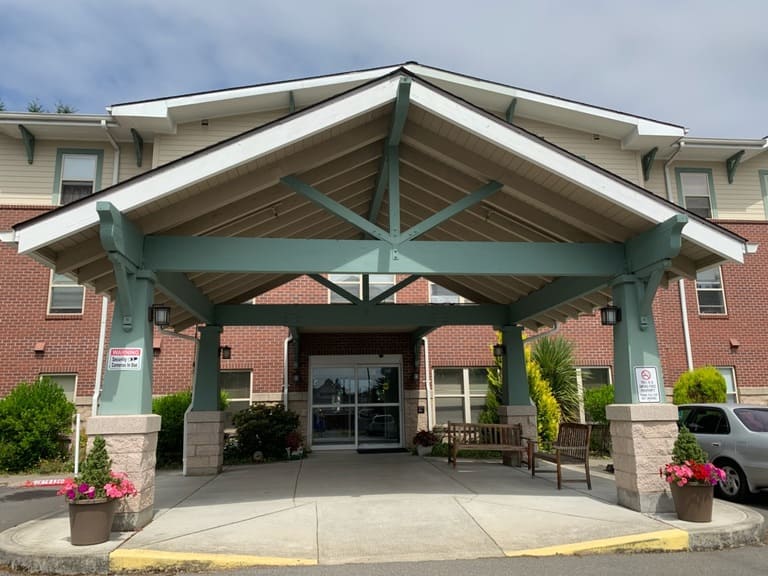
(400, 113)
(731, 164)
(510, 114)
(393, 181)
(29, 143)
(447, 213)
(333, 207)
(119, 235)
(181, 290)
(396, 288)
(278, 255)
(382, 315)
(381, 186)
(335, 288)
(555, 294)
(662, 242)
(647, 162)
(138, 146)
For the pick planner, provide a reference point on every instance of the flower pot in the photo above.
(90, 521)
(693, 502)
(423, 450)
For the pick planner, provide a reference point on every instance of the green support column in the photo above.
(514, 389)
(205, 390)
(636, 350)
(127, 387)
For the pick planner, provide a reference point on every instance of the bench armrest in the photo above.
(561, 447)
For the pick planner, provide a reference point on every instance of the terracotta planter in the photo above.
(693, 502)
(90, 521)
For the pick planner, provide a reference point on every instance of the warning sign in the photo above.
(647, 381)
(124, 359)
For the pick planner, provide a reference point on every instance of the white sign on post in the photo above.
(124, 359)
(647, 382)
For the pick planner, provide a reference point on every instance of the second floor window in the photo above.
(709, 291)
(78, 174)
(353, 283)
(440, 295)
(65, 295)
(696, 191)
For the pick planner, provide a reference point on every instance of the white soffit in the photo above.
(635, 200)
(167, 180)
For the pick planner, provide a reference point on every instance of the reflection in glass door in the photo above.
(356, 406)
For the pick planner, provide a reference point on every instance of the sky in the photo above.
(698, 63)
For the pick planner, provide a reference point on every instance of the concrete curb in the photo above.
(30, 560)
(749, 531)
(673, 540)
(128, 560)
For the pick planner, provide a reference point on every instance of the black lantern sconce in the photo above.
(610, 315)
(499, 350)
(160, 315)
(225, 352)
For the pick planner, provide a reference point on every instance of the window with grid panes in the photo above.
(696, 191)
(353, 283)
(709, 291)
(78, 175)
(65, 296)
(459, 394)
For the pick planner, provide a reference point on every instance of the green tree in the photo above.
(35, 106)
(554, 355)
(2, 106)
(96, 467)
(490, 413)
(62, 108)
(686, 448)
(704, 384)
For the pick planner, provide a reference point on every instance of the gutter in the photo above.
(286, 382)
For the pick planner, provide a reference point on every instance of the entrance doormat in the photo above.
(381, 450)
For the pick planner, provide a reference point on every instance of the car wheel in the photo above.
(734, 487)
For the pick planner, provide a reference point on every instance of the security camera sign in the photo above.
(124, 359)
(647, 381)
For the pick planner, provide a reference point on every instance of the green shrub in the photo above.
(595, 401)
(547, 409)
(170, 439)
(264, 428)
(554, 355)
(33, 418)
(687, 448)
(704, 384)
(490, 412)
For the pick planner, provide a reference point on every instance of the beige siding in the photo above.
(195, 136)
(605, 152)
(656, 182)
(741, 200)
(128, 168)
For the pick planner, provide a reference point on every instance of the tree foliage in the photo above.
(33, 419)
(554, 355)
(96, 467)
(704, 384)
(595, 401)
(686, 448)
(265, 428)
(35, 106)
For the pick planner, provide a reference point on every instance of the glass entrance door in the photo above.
(356, 406)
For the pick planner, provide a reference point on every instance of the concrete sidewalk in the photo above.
(343, 507)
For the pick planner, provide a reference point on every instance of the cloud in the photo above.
(689, 62)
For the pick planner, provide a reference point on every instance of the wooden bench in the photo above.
(466, 436)
(571, 447)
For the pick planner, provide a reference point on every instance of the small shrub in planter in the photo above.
(264, 428)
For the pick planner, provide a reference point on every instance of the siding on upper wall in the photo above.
(194, 136)
(656, 182)
(741, 200)
(32, 184)
(605, 152)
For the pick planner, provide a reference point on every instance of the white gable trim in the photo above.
(199, 167)
(532, 149)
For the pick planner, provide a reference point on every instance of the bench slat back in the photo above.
(496, 434)
(573, 439)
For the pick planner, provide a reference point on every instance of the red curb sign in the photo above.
(124, 359)
(45, 482)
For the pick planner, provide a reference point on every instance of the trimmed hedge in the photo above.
(703, 385)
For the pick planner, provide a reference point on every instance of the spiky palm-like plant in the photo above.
(554, 355)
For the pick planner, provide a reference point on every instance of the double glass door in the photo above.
(356, 406)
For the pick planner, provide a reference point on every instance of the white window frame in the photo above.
(721, 290)
(466, 394)
(230, 413)
(359, 287)
(55, 377)
(52, 286)
(731, 396)
(459, 299)
(580, 385)
(61, 156)
(680, 173)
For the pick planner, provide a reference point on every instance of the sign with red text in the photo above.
(647, 382)
(124, 359)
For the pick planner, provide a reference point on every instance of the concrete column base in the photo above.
(526, 417)
(132, 444)
(642, 438)
(203, 442)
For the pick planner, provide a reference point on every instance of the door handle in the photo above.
(717, 444)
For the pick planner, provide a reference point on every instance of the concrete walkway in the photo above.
(343, 507)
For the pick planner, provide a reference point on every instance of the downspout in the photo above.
(428, 383)
(680, 282)
(286, 382)
(104, 299)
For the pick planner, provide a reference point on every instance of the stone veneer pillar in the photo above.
(203, 442)
(642, 438)
(526, 417)
(132, 444)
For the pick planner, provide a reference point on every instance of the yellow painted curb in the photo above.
(124, 560)
(662, 540)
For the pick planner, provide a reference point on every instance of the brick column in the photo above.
(526, 417)
(203, 442)
(642, 437)
(131, 443)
